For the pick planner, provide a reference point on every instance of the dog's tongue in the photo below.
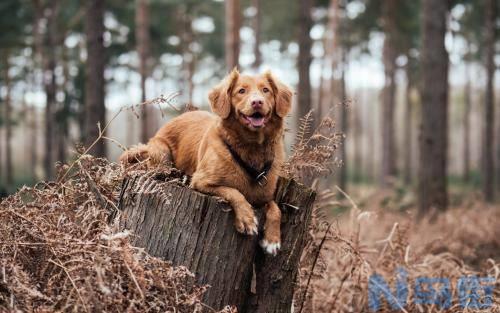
(256, 121)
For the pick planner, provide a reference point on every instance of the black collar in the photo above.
(257, 175)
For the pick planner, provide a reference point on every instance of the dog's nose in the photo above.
(257, 103)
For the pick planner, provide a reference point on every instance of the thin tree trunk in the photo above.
(189, 57)
(63, 111)
(143, 42)
(344, 118)
(408, 135)
(304, 59)
(466, 125)
(388, 169)
(95, 110)
(489, 112)
(232, 40)
(8, 123)
(33, 142)
(357, 138)
(333, 58)
(49, 81)
(256, 30)
(432, 188)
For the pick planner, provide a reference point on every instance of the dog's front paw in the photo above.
(270, 247)
(247, 223)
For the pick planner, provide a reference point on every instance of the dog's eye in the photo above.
(265, 89)
(242, 90)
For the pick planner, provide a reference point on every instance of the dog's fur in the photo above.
(197, 143)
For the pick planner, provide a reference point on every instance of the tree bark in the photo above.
(304, 59)
(388, 168)
(188, 228)
(95, 111)
(188, 55)
(232, 40)
(8, 123)
(408, 135)
(432, 188)
(344, 123)
(466, 125)
(489, 112)
(143, 42)
(49, 82)
(256, 30)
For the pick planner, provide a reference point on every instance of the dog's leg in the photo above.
(272, 232)
(245, 220)
(156, 152)
(159, 151)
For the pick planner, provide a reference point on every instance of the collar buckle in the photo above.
(262, 179)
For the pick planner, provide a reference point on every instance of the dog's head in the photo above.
(253, 101)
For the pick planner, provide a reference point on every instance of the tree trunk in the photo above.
(2, 118)
(63, 110)
(232, 40)
(188, 228)
(356, 133)
(305, 58)
(188, 55)
(408, 135)
(143, 41)
(466, 124)
(327, 97)
(8, 123)
(489, 122)
(95, 111)
(33, 143)
(433, 143)
(49, 82)
(256, 30)
(344, 127)
(388, 168)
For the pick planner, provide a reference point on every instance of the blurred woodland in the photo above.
(411, 83)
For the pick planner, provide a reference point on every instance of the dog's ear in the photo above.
(220, 95)
(282, 95)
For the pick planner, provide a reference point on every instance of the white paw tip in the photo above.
(270, 248)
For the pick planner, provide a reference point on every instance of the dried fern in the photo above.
(313, 153)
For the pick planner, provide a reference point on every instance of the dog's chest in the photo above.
(255, 193)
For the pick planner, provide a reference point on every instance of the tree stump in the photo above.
(173, 222)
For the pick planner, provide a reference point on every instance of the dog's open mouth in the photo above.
(256, 120)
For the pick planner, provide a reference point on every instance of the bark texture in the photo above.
(232, 40)
(305, 58)
(8, 122)
(188, 228)
(389, 92)
(433, 143)
(466, 123)
(256, 20)
(49, 83)
(95, 111)
(143, 40)
(489, 112)
(408, 128)
(344, 123)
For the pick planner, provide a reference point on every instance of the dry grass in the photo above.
(61, 250)
(343, 253)
(461, 242)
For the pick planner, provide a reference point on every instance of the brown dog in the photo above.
(235, 154)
